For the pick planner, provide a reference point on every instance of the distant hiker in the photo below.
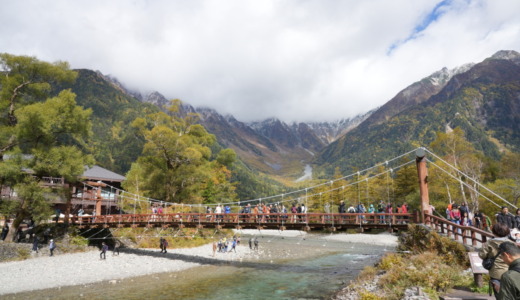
(58, 213)
(164, 246)
(52, 246)
(19, 234)
(5, 231)
(35, 243)
(256, 243)
(46, 235)
(214, 248)
(161, 244)
(117, 245)
(104, 248)
(233, 246)
(251, 243)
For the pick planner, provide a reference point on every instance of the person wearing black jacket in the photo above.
(506, 218)
(517, 218)
(5, 231)
(341, 208)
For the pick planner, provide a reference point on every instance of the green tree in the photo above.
(24, 80)
(54, 132)
(176, 160)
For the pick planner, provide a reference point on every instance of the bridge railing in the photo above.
(468, 235)
(238, 218)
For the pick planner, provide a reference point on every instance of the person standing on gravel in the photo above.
(117, 244)
(5, 231)
(164, 246)
(52, 246)
(161, 244)
(35, 243)
(104, 248)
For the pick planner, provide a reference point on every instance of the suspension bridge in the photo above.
(179, 216)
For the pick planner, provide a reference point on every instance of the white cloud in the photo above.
(295, 60)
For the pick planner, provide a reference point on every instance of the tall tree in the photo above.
(177, 160)
(24, 80)
(53, 132)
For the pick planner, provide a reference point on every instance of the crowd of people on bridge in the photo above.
(297, 212)
(462, 215)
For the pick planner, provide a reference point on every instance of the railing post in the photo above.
(422, 172)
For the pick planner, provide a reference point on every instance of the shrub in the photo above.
(368, 273)
(366, 295)
(427, 270)
(78, 240)
(23, 253)
(419, 239)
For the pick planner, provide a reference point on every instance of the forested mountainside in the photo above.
(114, 144)
(482, 99)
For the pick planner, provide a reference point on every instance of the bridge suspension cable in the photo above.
(337, 179)
(137, 198)
(462, 182)
(467, 176)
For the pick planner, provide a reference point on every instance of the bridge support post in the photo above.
(422, 172)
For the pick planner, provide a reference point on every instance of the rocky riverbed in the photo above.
(43, 272)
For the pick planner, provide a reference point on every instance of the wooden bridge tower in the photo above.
(99, 185)
(422, 172)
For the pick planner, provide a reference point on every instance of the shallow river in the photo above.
(296, 268)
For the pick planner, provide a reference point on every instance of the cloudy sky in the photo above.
(295, 60)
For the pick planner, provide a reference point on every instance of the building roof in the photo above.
(99, 173)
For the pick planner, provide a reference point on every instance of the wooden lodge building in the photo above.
(96, 192)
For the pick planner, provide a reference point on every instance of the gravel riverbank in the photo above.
(85, 268)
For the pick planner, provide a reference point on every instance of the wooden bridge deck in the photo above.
(309, 221)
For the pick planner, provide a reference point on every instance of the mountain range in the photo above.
(481, 98)
(270, 146)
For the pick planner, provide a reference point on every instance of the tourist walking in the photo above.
(35, 243)
(490, 250)
(161, 244)
(52, 246)
(251, 243)
(233, 246)
(164, 246)
(5, 231)
(510, 281)
(256, 243)
(104, 248)
(117, 245)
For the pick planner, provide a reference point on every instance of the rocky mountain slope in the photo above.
(482, 99)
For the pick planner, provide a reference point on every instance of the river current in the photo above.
(294, 268)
